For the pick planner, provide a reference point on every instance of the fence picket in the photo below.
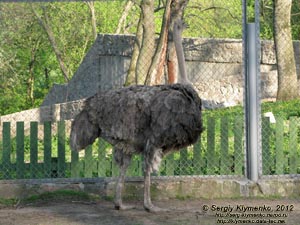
(14, 166)
(6, 163)
(183, 162)
(141, 166)
(280, 159)
(114, 168)
(88, 162)
(238, 145)
(197, 158)
(225, 160)
(211, 145)
(75, 167)
(47, 149)
(293, 145)
(20, 167)
(170, 165)
(133, 169)
(34, 150)
(266, 153)
(61, 149)
(102, 161)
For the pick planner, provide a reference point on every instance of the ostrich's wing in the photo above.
(123, 114)
(175, 118)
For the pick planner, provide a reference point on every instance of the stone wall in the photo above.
(57, 112)
(214, 66)
(161, 187)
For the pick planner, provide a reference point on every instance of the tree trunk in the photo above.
(147, 64)
(122, 20)
(31, 78)
(148, 42)
(159, 60)
(131, 75)
(287, 76)
(93, 18)
(45, 25)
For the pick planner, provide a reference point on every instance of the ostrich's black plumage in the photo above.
(168, 116)
(150, 120)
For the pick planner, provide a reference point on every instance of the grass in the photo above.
(284, 109)
(8, 202)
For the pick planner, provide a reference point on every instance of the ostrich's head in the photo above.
(83, 131)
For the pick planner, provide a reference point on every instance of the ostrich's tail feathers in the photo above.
(83, 132)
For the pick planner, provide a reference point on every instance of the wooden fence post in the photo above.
(75, 165)
(184, 162)
(238, 145)
(170, 164)
(266, 152)
(293, 149)
(102, 161)
(47, 149)
(211, 156)
(197, 159)
(88, 161)
(20, 167)
(225, 161)
(34, 170)
(6, 163)
(61, 151)
(280, 159)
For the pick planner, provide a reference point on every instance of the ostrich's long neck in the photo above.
(177, 37)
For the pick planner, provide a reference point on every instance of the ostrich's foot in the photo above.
(124, 207)
(154, 209)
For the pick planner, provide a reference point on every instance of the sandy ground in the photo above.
(206, 212)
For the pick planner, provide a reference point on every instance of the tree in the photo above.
(91, 6)
(46, 25)
(287, 76)
(148, 63)
(148, 40)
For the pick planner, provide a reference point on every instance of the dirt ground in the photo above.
(206, 212)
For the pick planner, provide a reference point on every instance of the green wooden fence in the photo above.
(219, 151)
(280, 146)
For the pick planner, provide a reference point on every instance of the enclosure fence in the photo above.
(34, 143)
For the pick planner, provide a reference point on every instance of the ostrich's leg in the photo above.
(123, 162)
(152, 161)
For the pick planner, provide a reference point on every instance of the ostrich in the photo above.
(148, 120)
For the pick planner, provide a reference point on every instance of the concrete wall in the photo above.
(214, 66)
(64, 111)
(161, 188)
(104, 67)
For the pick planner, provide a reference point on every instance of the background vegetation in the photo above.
(29, 64)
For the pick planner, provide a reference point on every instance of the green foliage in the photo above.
(28, 64)
(218, 19)
(267, 19)
(284, 109)
(295, 20)
(26, 55)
